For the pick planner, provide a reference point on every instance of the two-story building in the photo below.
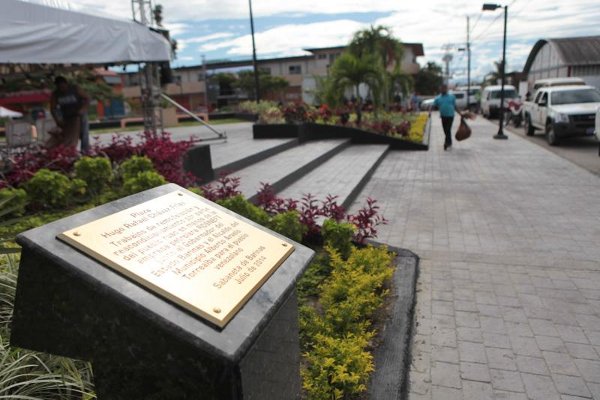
(190, 89)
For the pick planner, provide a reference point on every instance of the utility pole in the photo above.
(447, 59)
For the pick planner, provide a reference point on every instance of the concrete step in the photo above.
(284, 168)
(343, 175)
(242, 151)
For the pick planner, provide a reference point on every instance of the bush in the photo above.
(338, 235)
(12, 202)
(95, 171)
(143, 181)
(49, 189)
(338, 367)
(288, 224)
(335, 334)
(241, 206)
(134, 166)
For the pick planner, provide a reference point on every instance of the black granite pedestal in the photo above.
(142, 346)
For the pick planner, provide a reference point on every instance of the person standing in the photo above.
(68, 105)
(446, 103)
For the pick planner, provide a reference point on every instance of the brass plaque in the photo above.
(190, 252)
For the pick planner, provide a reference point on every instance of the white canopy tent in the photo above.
(37, 34)
(6, 113)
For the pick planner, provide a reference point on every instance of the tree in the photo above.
(379, 42)
(429, 79)
(350, 71)
(269, 85)
(493, 77)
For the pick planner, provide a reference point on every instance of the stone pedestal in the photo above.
(142, 346)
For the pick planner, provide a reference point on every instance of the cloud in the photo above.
(289, 39)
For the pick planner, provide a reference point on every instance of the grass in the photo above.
(135, 128)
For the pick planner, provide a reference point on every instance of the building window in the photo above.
(265, 70)
(322, 56)
(295, 69)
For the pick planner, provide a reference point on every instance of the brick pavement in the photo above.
(508, 302)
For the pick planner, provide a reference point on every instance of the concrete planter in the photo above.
(311, 131)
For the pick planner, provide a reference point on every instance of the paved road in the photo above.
(508, 296)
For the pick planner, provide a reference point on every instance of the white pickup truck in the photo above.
(562, 111)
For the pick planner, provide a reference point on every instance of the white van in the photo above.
(490, 99)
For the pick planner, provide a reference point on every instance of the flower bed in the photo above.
(402, 131)
(338, 295)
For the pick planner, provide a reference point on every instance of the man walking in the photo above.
(446, 103)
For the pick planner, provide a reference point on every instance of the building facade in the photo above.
(566, 57)
(189, 88)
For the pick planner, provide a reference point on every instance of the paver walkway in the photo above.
(508, 302)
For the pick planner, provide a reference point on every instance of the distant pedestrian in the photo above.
(446, 103)
(68, 106)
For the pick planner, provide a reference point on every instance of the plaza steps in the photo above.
(286, 167)
(343, 175)
(323, 167)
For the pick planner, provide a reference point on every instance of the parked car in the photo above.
(570, 81)
(490, 99)
(562, 111)
(428, 104)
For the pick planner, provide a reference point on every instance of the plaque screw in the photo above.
(180, 194)
(217, 310)
(76, 234)
(284, 244)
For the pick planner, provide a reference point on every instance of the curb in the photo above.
(392, 357)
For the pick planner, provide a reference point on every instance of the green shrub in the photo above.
(288, 224)
(135, 165)
(95, 171)
(338, 367)
(196, 190)
(50, 189)
(239, 205)
(143, 181)
(335, 328)
(317, 271)
(12, 202)
(338, 235)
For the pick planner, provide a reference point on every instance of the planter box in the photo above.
(275, 131)
(311, 131)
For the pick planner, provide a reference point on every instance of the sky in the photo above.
(220, 29)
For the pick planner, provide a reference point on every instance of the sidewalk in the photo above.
(508, 297)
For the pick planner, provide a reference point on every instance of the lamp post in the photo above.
(256, 84)
(493, 7)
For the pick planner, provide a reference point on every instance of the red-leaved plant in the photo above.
(311, 211)
(226, 187)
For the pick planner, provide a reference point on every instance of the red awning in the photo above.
(26, 98)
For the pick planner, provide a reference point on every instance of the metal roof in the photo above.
(574, 51)
(579, 50)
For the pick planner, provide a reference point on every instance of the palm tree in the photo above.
(352, 71)
(493, 77)
(379, 42)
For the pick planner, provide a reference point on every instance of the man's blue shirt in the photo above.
(446, 103)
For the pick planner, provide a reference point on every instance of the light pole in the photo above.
(256, 85)
(493, 7)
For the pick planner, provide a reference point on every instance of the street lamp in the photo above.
(493, 7)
